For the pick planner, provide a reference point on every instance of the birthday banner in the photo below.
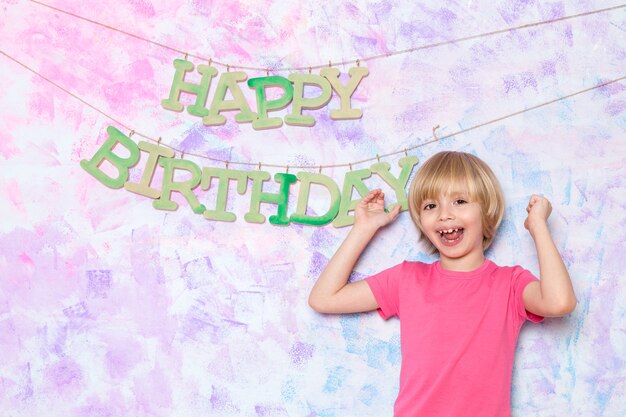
(340, 202)
(292, 93)
(228, 96)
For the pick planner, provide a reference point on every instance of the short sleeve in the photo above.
(386, 289)
(521, 278)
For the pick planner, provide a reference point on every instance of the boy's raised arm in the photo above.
(332, 293)
(553, 295)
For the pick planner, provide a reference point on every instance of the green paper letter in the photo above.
(200, 90)
(306, 179)
(345, 92)
(263, 106)
(228, 80)
(106, 153)
(170, 165)
(224, 175)
(299, 102)
(258, 197)
(353, 179)
(154, 153)
(398, 184)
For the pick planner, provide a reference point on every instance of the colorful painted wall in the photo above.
(109, 307)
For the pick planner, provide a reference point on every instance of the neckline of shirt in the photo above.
(487, 264)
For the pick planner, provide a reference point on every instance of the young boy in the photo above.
(460, 316)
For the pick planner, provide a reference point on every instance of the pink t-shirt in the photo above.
(458, 334)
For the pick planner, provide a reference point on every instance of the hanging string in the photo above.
(348, 164)
(434, 134)
(353, 61)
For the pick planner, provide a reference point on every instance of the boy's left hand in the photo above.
(539, 209)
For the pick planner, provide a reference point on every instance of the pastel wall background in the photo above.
(109, 307)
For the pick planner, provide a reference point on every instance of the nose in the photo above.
(445, 212)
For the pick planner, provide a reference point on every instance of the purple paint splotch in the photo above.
(301, 352)
(98, 283)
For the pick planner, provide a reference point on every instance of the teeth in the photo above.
(448, 231)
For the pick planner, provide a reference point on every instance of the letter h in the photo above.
(200, 90)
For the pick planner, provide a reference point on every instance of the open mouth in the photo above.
(451, 235)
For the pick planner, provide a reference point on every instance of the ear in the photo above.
(488, 234)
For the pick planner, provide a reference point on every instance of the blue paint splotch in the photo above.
(335, 379)
(380, 354)
(350, 331)
(288, 391)
(368, 394)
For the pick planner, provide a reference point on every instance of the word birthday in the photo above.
(292, 92)
(341, 202)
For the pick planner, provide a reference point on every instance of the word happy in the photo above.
(341, 202)
(292, 92)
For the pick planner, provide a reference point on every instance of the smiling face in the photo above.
(456, 193)
(452, 222)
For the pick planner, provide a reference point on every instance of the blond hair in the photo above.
(458, 171)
